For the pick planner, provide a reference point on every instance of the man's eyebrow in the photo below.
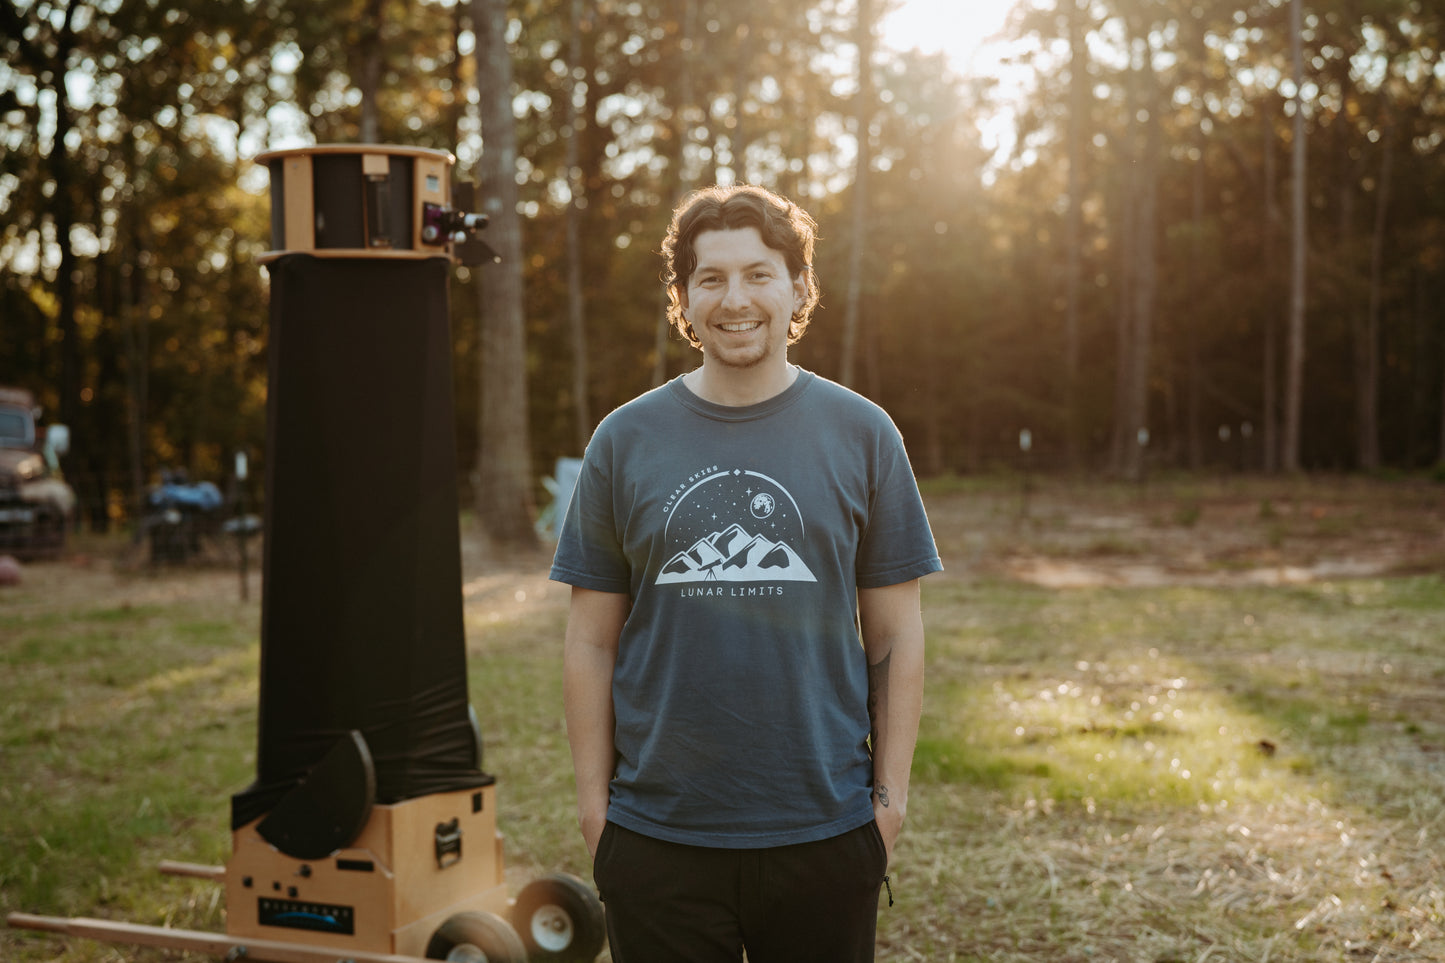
(767, 265)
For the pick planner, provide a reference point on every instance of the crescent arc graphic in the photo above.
(723, 474)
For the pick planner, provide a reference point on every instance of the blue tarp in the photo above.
(203, 496)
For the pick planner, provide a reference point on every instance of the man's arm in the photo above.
(589, 655)
(892, 622)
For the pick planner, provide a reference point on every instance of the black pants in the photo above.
(669, 903)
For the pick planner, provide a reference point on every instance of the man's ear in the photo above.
(679, 295)
(800, 288)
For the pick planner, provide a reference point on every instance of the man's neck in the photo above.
(739, 387)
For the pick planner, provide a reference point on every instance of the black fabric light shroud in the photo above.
(361, 621)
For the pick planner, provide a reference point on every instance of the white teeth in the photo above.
(740, 325)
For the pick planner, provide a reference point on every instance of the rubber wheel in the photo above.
(476, 938)
(560, 918)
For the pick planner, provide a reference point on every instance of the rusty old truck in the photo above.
(37, 507)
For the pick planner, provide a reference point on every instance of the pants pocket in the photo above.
(879, 850)
(600, 861)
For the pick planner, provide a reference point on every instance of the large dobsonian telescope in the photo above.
(370, 830)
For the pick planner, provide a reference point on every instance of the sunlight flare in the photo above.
(955, 28)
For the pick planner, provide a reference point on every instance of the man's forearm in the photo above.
(587, 694)
(892, 625)
(896, 699)
(589, 655)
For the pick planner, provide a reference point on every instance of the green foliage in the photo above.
(1102, 772)
(120, 734)
(132, 217)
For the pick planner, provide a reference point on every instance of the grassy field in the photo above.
(1189, 721)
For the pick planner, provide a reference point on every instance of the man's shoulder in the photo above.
(834, 390)
(639, 410)
(842, 400)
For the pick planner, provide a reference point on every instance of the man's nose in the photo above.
(735, 296)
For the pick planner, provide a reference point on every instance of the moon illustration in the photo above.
(750, 499)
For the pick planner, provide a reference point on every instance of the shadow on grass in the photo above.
(1243, 769)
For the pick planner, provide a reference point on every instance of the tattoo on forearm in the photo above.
(881, 791)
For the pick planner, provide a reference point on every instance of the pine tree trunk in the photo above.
(1121, 438)
(738, 132)
(863, 119)
(1146, 283)
(135, 330)
(1269, 403)
(369, 79)
(1194, 321)
(63, 218)
(576, 306)
(682, 136)
(504, 468)
(1295, 362)
(1440, 448)
(1137, 254)
(1073, 231)
(1367, 336)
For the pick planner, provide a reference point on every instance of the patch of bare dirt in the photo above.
(95, 573)
(82, 580)
(1246, 532)
(1052, 573)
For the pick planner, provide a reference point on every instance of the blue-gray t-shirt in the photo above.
(742, 536)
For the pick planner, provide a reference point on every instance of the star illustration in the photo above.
(745, 499)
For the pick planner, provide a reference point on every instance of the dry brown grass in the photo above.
(1264, 631)
(1173, 723)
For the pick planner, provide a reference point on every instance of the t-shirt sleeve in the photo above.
(897, 544)
(589, 546)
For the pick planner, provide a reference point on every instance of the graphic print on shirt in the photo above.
(733, 525)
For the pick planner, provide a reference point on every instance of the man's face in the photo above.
(740, 299)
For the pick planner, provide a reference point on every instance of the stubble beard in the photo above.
(748, 356)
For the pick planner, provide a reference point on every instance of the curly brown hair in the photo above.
(784, 226)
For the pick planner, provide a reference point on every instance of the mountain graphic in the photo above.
(735, 555)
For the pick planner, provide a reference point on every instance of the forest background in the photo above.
(1210, 236)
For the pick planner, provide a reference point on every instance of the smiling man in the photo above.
(743, 665)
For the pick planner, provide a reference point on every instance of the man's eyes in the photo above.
(718, 279)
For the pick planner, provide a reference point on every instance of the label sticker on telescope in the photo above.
(302, 915)
(433, 182)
